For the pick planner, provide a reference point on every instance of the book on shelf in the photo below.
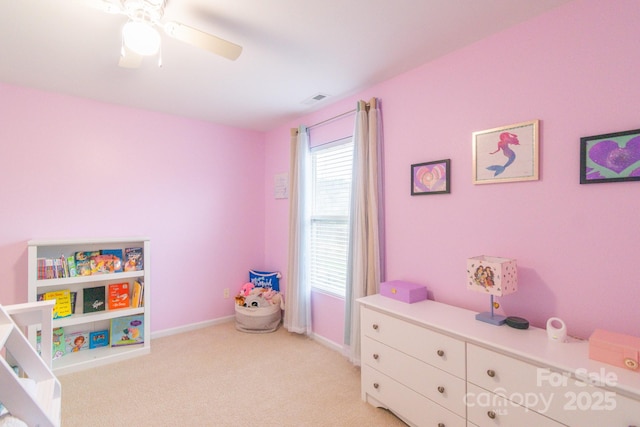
(99, 339)
(93, 299)
(133, 259)
(115, 259)
(107, 261)
(118, 295)
(62, 306)
(42, 268)
(58, 343)
(45, 268)
(83, 262)
(71, 266)
(137, 294)
(127, 330)
(74, 298)
(76, 341)
(56, 268)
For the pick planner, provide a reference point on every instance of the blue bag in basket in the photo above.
(264, 279)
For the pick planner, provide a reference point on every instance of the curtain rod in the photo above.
(332, 119)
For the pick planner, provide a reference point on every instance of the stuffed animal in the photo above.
(240, 300)
(277, 300)
(269, 294)
(255, 301)
(245, 290)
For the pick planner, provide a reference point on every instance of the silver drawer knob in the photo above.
(491, 373)
(375, 356)
(440, 389)
(375, 326)
(376, 385)
(491, 415)
(440, 353)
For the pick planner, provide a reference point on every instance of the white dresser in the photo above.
(435, 365)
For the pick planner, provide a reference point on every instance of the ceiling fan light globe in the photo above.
(141, 38)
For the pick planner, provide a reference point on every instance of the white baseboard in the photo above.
(327, 343)
(191, 327)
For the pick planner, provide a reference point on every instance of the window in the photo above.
(331, 169)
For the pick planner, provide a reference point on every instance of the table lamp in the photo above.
(494, 276)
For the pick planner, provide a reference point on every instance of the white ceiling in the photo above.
(293, 49)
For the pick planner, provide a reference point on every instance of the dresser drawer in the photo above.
(413, 408)
(556, 395)
(441, 387)
(496, 372)
(485, 409)
(438, 350)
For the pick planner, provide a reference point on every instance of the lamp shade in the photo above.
(492, 275)
(141, 37)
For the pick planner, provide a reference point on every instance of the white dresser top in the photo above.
(531, 344)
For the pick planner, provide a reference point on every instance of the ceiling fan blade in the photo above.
(203, 40)
(129, 59)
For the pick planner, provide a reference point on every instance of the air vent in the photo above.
(315, 99)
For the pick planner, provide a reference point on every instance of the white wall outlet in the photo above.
(226, 292)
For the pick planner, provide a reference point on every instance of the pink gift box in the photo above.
(615, 349)
(403, 291)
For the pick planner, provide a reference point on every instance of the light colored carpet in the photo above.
(218, 376)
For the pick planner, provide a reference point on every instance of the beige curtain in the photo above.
(297, 313)
(365, 266)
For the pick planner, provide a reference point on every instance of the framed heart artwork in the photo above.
(431, 178)
(612, 157)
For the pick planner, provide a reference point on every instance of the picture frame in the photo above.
(431, 177)
(610, 157)
(506, 154)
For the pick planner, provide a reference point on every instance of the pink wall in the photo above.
(575, 69)
(79, 168)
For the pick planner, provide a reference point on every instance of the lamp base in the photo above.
(494, 319)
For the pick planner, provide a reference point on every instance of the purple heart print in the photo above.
(611, 156)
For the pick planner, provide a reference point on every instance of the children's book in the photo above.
(93, 299)
(115, 257)
(74, 298)
(48, 265)
(83, 262)
(118, 295)
(133, 259)
(71, 265)
(127, 330)
(76, 341)
(136, 294)
(99, 339)
(58, 268)
(58, 343)
(62, 306)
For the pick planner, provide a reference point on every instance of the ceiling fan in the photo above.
(140, 37)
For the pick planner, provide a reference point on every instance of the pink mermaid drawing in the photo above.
(506, 138)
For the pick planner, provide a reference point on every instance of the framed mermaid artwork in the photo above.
(612, 157)
(506, 154)
(431, 178)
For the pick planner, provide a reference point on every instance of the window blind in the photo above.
(331, 200)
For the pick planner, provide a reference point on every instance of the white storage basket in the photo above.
(258, 319)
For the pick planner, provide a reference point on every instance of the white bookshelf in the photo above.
(95, 321)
